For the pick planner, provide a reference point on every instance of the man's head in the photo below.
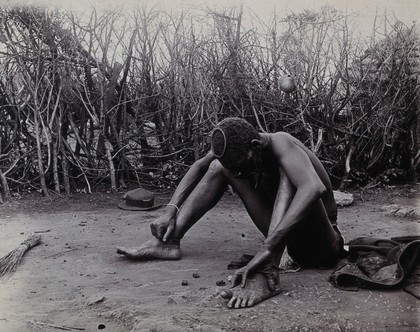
(236, 144)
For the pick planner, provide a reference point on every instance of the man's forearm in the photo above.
(276, 241)
(186, 186)
(298, 209)
(190, 181)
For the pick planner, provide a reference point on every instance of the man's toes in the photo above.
(241, 302)
(128, 253)
(244, 303)
(232, 302)
(272, 284)
(251, 303)
(226, 294)
(121, 251)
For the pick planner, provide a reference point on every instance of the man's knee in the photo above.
(216, 169)
(214, 178)
(215, 166)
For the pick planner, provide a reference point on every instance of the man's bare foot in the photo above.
(255, 291)
(153, 249)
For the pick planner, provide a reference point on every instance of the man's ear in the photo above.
(256, 144)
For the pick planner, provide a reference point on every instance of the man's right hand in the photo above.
(163, 227)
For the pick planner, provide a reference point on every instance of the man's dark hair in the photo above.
(232, 140)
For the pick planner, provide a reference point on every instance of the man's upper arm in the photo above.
(295, 162)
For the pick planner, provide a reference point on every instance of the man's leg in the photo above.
(260, 208)
(314, 242)
(313, 239)
(204, 196)
(207, 193)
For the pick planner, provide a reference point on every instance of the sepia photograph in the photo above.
(210, 166)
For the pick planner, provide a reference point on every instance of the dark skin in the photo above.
(295, 161)
(294, 211)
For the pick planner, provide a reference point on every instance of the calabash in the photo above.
(287, 84)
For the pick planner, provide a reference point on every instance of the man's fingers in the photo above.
(153, 229)
(161, 231)
(271, 283)
(158, 230)
(244, 277)
(168, 232)
(240, 278)
(237, 278)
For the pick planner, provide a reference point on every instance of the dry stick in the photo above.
(55, 124)
(79, 139)
(9, 263)
(3, 179)
(41, 170)
(62, 252)
(111, 166)
(55, 165)
(78, 163)
(43, 231)
(65, 167)
(65, 328)
(5, 185)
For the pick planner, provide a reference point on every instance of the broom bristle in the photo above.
(9, 263)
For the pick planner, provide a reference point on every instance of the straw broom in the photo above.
(9, 263)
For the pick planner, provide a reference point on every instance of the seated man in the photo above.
(286, 191)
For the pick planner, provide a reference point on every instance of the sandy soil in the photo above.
(75, 280)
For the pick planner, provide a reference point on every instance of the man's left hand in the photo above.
(241, 275)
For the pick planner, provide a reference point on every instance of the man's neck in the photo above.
(265, 140)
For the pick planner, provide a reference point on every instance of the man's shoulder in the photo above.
(281, 138)
(281, 134)
(280, 143)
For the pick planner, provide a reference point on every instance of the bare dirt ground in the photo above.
(75, 280)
